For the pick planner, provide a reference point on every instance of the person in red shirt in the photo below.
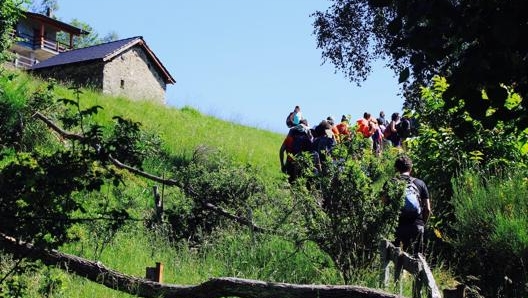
(342, 128)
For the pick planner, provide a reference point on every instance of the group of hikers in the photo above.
(320, 139)
(324, 136)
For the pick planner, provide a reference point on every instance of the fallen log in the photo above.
(213, 288)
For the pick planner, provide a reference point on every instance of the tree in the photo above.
(9, 14)
(477, 45)
(90, 39)
(45, 184)
(44, 6)
(110, 36)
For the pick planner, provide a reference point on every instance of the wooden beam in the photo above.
(213, 288)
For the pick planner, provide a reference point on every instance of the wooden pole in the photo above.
(155, 273)
(159, 272)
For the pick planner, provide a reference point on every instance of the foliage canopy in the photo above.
(477, 45)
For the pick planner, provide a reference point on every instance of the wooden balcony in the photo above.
(41, 47)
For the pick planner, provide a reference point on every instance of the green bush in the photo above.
(210, 181)
(341, 207)
(450, 141)
(491, 230)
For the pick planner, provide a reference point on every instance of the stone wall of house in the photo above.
(132, 74)
(79, 74)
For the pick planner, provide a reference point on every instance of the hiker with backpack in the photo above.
(406, 127)
(298, 140)
(416, 207)
(294, 118)
(369, 128)
(324, 141)
(335, 131)
(391, 132)
(382, 121)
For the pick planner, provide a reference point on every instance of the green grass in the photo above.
(182, 130)
(234, 254)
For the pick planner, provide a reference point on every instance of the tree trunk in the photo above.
(213, 288)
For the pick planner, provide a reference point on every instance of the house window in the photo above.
(122, 84)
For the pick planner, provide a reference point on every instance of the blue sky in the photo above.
(248, 61)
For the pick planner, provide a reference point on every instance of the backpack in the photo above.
(289, 121)
(411, 207)
(301, 140)
(403, 128)
(387, 132)
(364, 128)
(323, 143)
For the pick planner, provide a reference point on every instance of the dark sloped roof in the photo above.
(56, 23)
(103, 52)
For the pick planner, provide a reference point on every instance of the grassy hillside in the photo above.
(182, 130)
(229, 250)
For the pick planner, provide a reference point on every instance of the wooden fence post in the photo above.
(158, 204)
(384, 260)
(417, 266)
(155, 273)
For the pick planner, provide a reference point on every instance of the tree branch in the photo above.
(117, 163)
(170, 182)
(141, 173)
(213, 288)
(60, 131)
(235, 218)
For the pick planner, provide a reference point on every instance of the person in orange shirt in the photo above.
(367, 125)
(342, 128)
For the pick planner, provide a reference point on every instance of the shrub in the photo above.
(450, 140)
(342, 210)
(212, 180)
(491, 230)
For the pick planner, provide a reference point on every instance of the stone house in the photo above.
(126, 67)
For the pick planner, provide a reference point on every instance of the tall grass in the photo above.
(232, 253)
(182, 130)
(492, 230)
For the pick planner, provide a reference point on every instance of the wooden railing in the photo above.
(43, 43)
(23, 62)
(417, 266)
